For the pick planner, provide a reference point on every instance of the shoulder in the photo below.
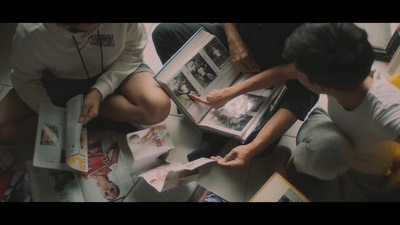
(30, 27)
(383, 102)
(27, 30)
(28, 37)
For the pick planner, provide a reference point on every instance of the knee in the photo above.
(6, 133)
(157, 112)
(324, 157)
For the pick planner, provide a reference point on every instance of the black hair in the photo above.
(336, 55)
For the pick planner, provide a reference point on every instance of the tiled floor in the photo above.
(151, 58)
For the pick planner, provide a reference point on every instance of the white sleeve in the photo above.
(26, 77)
(128, 62)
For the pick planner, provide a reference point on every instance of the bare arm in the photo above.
(268, 78)
(240, 53)
(275, 128)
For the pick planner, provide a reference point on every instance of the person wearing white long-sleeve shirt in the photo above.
(54, 62)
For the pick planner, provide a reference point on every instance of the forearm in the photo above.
(274, 129)
(232, 34)
(267, 78)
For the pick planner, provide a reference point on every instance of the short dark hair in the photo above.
(336, 55)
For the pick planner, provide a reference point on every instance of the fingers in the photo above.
(231, 160)
(86, 116)
(199, 99)
(216, 158)
(88, 113)
(223, 160)
(90, 107)
(84, 113)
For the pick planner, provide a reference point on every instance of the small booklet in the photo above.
(278, 189)
(202, 65)
(150, 148)
(107, 178)
(61, 141)
(173, 174)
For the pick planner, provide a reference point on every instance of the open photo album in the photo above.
(202, 65)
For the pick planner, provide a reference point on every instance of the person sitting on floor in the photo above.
(254, 48)
(355, 139)
(54, 62)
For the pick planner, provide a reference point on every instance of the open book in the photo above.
(202, 65)
(278, 189)
(107, 178)
(61, 141)
(150, 148)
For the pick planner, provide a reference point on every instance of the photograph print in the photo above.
(254, 102)
(49, 134)
(217, 52)
(237, 123)
(181, 88)
(200, 70)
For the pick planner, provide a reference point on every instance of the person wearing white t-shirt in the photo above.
(355, 138)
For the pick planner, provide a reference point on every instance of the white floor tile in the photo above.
(150, 54)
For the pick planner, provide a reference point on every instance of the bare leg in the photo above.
(143, 101)
(18, 122)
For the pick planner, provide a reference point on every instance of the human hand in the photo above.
(237, 158)
(106, 160)
(242, 57)
(91, 106)
(215, 99)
